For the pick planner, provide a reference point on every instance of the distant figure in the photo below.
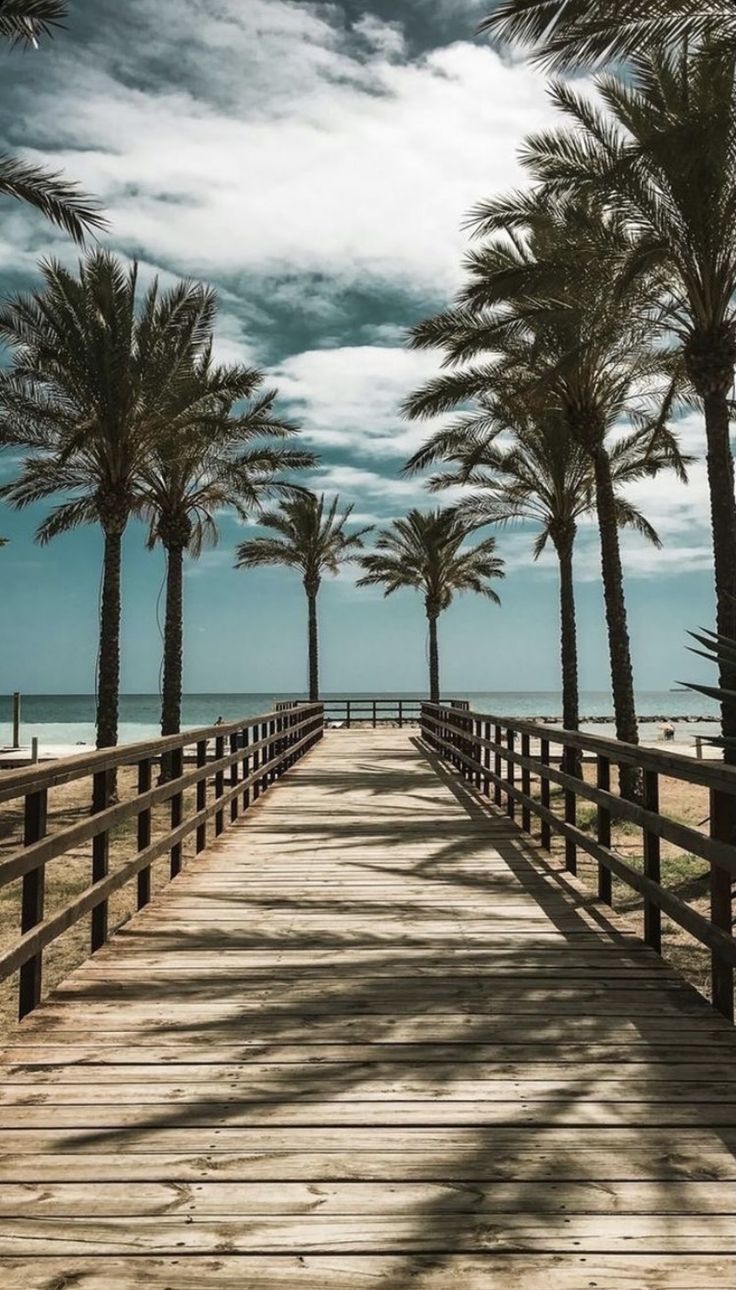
(220, 721)
(668, 730)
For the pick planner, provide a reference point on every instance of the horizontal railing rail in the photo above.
(502, 757)
(253, 753)
(376, 711)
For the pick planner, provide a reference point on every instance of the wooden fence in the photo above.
(233, 765)
(375, 710)
(501, 758)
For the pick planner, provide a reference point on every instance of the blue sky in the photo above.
(313, 161)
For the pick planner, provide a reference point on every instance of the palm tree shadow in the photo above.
(405, 1014)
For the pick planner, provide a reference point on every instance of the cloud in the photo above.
(284, 141)
(350, 397)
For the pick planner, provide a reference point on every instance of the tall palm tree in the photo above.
(313, 539)
(571, 337)
(427, 553)
(24, 22)
(522, 463)
(578, 33)
(96, 376)
(222, 459)
(662, 156)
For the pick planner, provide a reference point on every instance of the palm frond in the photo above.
(59, 200)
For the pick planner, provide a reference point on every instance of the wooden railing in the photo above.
(252, 754)
(375, 711)
(503, 759)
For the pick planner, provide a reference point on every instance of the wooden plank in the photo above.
(353, 1272)
(370, 1038)
(149, 1199)
(366, 1234)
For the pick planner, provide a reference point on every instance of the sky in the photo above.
(314, 162)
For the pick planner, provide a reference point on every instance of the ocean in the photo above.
(68, 719)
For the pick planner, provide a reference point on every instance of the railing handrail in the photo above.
(464, 739)
(254, 764)
(709, 774)
(63, 770)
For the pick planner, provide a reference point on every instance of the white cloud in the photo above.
(288, 146)
(351, 397)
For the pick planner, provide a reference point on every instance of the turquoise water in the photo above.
(69, 718)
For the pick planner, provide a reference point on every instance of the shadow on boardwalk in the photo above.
(451, 955)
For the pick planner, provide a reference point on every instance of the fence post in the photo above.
(177, 770)
(487, 758)
(603, 781)
(100, 857)
(219, 782)
(510, 774)
(144, 833)
(544, 794)
(201, 840)
(526, 786)
(722, 810)
(652, 912)
(245, 765)
(16, 720)
(569, 765)
(234, 801)
(32, 902)
(497, 766)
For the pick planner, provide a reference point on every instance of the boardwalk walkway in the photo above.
(370, 1040)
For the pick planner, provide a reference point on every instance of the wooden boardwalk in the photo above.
(370, 1039)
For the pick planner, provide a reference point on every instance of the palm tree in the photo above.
(222, 459)
(578, 33)
(311, 538)
(523, 464)
(662, 156)
(24, 21)
(570, 337)
(94, 380)
(426, 552)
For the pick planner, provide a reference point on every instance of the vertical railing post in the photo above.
(144, 832)
(652, 911)
(235, 799)
(347, 715)
(603, 781)
(510, 774)
(487, 758)
(401, 714)
(219, 782)
(479, 754)
(544, 793)
(176, 763)
(569, 765)
(526, 786)
(246, 762)
(32, 901)
(100, 857)
(271, 752)
(722, 811)
(256, 762)
(201, 839)
(374, 714)
(497, 766)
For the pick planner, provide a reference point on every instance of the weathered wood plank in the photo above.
(351, 1272)
(370, 1038)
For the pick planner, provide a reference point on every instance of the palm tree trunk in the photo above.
(108, 680)
(313, 646)
(173, 634)
(619, 645)
(434, 660)
(568, 639)
(723, 523)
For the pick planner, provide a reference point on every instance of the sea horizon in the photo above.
(67, 719)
